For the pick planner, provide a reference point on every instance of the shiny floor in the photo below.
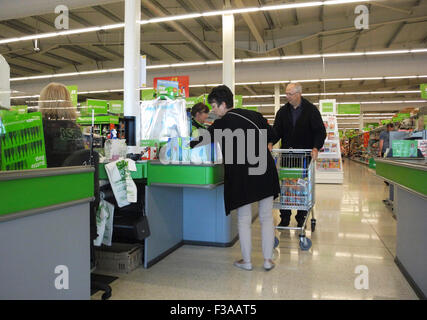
(355, 233)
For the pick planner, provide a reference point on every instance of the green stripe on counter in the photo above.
(37, 192)
(408, 177)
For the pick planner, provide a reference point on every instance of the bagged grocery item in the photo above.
(115, 149)
(104, 223)
(123, 186)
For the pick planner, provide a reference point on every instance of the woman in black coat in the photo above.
(250, 173)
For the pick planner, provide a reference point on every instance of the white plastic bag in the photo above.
(115, 149)
(163, 119)
(123, 186)
(104, 223)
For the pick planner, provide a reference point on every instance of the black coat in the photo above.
(309, 131)
(241, 188)
(62, 138)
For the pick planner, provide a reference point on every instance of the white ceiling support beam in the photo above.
(352, 67)
(154, 7)
(252, 27)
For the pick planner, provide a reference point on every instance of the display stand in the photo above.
(329, 162)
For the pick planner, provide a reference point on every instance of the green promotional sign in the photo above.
(384, 122)
(349, 108)
(98, 106)
(20, 109)
(238, 101)
(423, 88)
(327, 106)
(87, 120)
(404, 148)
(148, 94)
(191, 101)
(22, 141)
(372, 125)
(73, 93)
(116, 106)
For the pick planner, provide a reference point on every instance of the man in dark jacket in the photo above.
(247, 134)
(300, 126)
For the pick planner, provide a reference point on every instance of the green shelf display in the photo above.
(22, 141)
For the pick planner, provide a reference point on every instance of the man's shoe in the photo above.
(268, 265)
(243, 265)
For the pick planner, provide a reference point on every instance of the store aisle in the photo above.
(353, 229)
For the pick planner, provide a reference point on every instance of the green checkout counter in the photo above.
(44, 233)
(409, 177)
(184, 204)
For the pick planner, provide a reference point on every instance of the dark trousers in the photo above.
(285, 215)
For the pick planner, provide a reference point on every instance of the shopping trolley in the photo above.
(296, 174)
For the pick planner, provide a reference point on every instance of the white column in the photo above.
(131, 76)
(228, 75)
(276, 97)
(361, 122)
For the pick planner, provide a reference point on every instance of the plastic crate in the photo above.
(119, 258)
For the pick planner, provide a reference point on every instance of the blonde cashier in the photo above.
(199, 114)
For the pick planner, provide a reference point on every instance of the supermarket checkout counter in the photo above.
(184, 204)
(409, 178)
(44, 233)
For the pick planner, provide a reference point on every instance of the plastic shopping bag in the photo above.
(163, 119)
(104, 223)
(123, 186)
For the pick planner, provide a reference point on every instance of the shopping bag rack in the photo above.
(296, 174)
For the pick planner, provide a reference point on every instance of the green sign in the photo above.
(423, 90)
(20, 109)
(404, 148)
(372, 125)
(22, 141)
(73, 93)
(191, 101)
(238, 101)
(98, 120)
(148, 94)
(348, 108)
(116, 106)
(98, 106)
(384, 122)
(326, 106)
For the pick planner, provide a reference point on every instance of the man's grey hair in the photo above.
(297, 86)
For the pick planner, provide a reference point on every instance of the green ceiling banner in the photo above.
(191, 101)
(116, 107)
(73, 93)
(327, 106)
(20, 109)
(98, 120)
(423, 90)
(349, 108)
(99, 107)
(238, 101)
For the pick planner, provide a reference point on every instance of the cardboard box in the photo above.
(119, 258)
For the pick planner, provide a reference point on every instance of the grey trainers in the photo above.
(268, 265)
(243, 265)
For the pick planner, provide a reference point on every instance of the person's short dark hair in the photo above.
(221, 94)
(390, 125)
(199, 107)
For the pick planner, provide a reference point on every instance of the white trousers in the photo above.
(267, 228)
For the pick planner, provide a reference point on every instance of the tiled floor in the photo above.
(354, 228)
